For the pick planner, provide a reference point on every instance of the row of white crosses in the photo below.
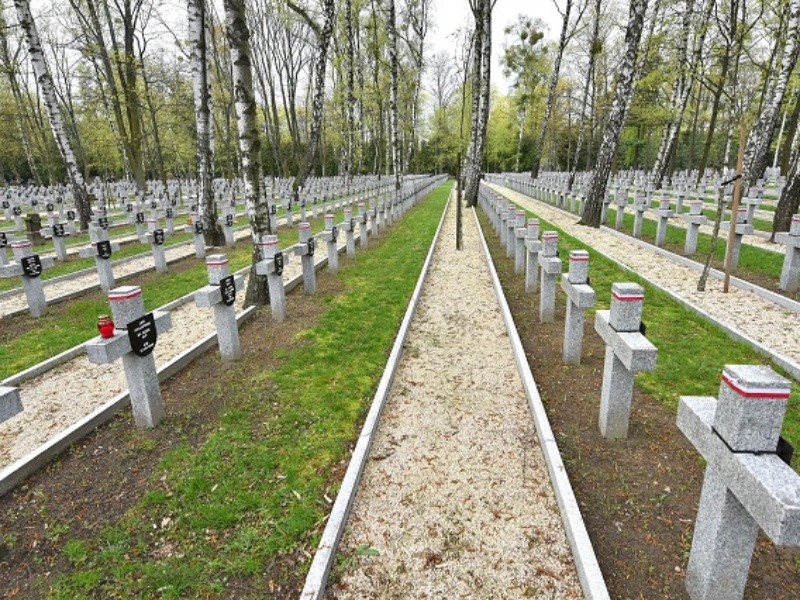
(749, 484)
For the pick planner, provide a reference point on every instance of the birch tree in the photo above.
(238, 35)
(789, 202)
(323, 35)
(48, 96)
(391, 29)
(760, 138)
(201, 86)
(625, 82)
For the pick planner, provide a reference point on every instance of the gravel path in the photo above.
(766, 322)
(61, 397)
(455, 501)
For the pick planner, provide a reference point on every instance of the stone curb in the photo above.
(317, 577)
(791, 367)
(589, 573)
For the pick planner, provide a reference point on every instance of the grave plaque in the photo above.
(3, 240)
(229, 220)
(103, 222)
(49, 207)
(228, 288)
(273, 209)
(140, 217)
(143, 335)
(334, 233)
(170, 213)
(34, 202)
(31, 266)
(104, 249)
(6, 204)
(129, 207)
(311, 247)
(193, 208)
(153, 205)
(17, 211)
(279, 263)
(71, 215)
(158, 237)
(58, 230)
(198, 228)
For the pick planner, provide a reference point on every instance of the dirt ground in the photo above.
(638, 496)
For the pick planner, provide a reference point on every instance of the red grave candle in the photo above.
(105, 326)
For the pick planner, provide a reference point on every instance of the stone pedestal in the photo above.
(101, 250)
(741, 230)
(156, 240)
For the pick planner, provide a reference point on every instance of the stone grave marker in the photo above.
(10, 403)
(791, 262)
(362, 225)
(330, 236)
(580, 296)
(551, 269)
(742, 228)
(520, 232)
(533, 245)
(747, 486)
(101, 250)
(694, 219)
(628, 351)
(221, 294)
(664, 213)
(305, 250)
(134, 339)
(197, 229)
(29, 266)
(349, 227)
(272, 264)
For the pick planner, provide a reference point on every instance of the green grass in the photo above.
(68, 324)
(255, 488)
(751, 258)
(691, 351)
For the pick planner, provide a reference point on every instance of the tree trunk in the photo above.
(323, 42)
(791, 129)
(238, 36)
(758, 143)
(48, 94)
(625, 81)
(551, 94)
(391, 30)
(202, 111)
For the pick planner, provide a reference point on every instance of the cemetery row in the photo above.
(749, 484)
(149, 232)
(787, 244)
(138, 338)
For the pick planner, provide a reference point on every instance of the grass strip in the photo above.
(691, 351)
(68, 324)
(255, 488)
(751, 258)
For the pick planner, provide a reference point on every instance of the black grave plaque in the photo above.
(31, 266)
(334, 233)
(103, 222)
(140, 217)
(143, 335)
(104, 249)
(129, 207)
(153, 205)
(158, 237)
(228, 289)
(273, 209)
(58, 230)
(6, 204)
(3, 240)
(229, 220)
(70, 215)
(170, 213)
(49, 207)
(312, 245)
(279, 263)
(198, 228)
(17, 211)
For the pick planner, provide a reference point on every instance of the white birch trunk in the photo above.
(48, 95)
(760, 138)
(391, 30)
(625, 83)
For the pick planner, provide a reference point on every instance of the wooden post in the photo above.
(737, 191)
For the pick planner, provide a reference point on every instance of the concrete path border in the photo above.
(317, 578)
(589, 573)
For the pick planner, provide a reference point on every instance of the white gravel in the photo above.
(766, 322)
(61, 397)
(455, 501)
